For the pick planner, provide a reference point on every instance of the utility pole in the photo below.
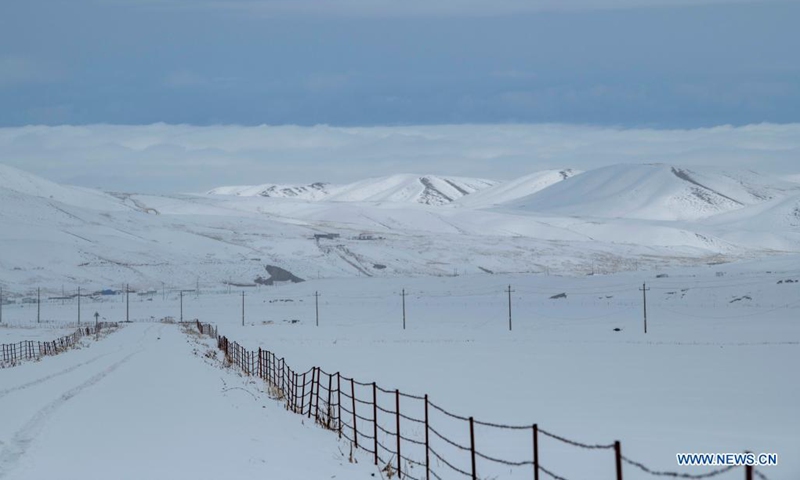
(181, 306)
(509, 307)
(79, 305)
(243, 308)
(404, 308)
(38, 305)
(316, 303)
(644, 290)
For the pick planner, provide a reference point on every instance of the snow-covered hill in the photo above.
(405, 188)
(52, 234)
(656, 192)
(18, 184)
(312, 191)
(424, 189)
(514, 189)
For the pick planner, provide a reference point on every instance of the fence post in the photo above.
(472, 447)
(375, 418)
(339, 401)
(295, 388)
(618, 455)
(316, 408)
(330, 393)
(397, 410)
(535, 451)
(260, 368)
(748, 472)
(302, 400)
(427, 443)
(355, 428)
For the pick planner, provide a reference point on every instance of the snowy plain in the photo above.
(714, 373)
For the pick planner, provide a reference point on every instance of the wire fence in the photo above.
(409, 436)
(13, 354)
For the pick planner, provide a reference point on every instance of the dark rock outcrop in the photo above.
(277, 274)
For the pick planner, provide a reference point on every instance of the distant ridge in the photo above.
(514, 189)
(405, 188)
(656, 192)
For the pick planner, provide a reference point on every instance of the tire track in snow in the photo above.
(22, 439)
(24, 386)
(39, 381)
(18, 446)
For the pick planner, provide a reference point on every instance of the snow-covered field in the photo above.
(715, 372)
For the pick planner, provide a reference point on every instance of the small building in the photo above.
(329, 236)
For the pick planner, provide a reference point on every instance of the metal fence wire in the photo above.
(408, 436)
(12, 354)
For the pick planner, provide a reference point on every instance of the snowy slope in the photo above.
(405, 188)
(18, 184)
(517, 188)
(176, 239)
(313, 191)
(656, 192)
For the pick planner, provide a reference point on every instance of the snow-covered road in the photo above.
(146, 403)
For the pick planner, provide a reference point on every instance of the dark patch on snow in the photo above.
(739, 299)
(379, 266)
(458, 188)
(431, 193)
(278, 274)
(486, 270)
(560, 295)
(702, 194)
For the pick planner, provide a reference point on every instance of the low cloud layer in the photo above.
(414, 8)
(169, 158)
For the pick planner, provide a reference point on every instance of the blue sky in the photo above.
(630, 63)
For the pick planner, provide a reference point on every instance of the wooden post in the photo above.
(339, 401)
(355, 428)
(375, 418)
(260, 367)
(644, 303)
(316, 303)
(509, 307)
(316, 408)
(302, 400)
(535, 452)
(404, 308)
(748, 472)
(472, 447)
(427, 443)
(330, 394)
(397, 414)
(618, 455)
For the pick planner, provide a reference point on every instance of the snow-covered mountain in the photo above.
(54, 234)
(424, 189)
(18, 184)
(518, 188)
(656, 192)
(312, 191)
